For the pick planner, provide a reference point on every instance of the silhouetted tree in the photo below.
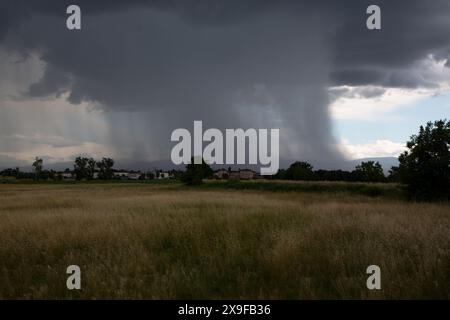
(84, 168)
(369, 171)
(300, 171)
(38, 164)
(80, 168)
(425, 167)
(195, 173)
(91, 166)
(105, 167)
(394, 174)
(281, 174)
(11, 173)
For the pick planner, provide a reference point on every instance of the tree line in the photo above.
(424, 168)
(85, 168)
(369, 171)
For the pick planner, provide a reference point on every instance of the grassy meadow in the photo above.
(220, 241)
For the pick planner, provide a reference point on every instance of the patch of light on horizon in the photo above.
(355, 106)
(373, 149)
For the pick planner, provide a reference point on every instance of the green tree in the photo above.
(195, 173)
(394, 174)
(105, 167)
(80, 168)
(300, 171)
(281, 174)
(369, 171)
(38, 164)
(84, 168)
(91, 166)
(425, 166)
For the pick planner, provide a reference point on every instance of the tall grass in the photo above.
(165, 241)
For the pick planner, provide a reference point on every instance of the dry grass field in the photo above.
(158, 241)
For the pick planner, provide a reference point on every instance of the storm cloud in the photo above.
(153, 66)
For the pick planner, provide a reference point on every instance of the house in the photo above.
(67, 175)
(162, 175)
(221, 174)
(121, 175)
(134, 175)
(234, 175)
(244, 174)
(247, 174)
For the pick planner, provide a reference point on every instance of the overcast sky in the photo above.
(140, 69)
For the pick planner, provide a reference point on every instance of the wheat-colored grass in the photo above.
(153, 241)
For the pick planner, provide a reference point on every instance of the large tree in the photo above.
(300, 171)
(38, 164)
(195, 173)
(84, 168)
(105, 167)
(91, 166)
(369, 171)
(425, 166)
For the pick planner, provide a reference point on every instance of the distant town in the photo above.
(221, 174)
(68, 174)
(90, 169)
(85, 169)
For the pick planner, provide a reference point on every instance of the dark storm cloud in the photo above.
(53, 82)
(254, 63)
(411, 29)
(365, 92)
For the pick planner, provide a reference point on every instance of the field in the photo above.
(164, 241)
